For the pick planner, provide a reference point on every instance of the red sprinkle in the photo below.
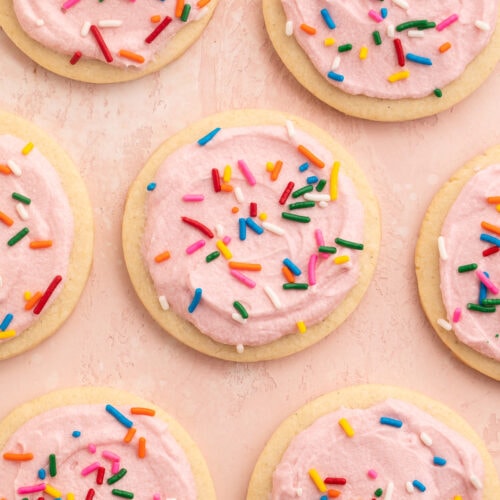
(335, 480)
(216, 180)
(102, 44)
(100, 475)
(198, 225)
(166, 21)
(286, 192)
(90, 494)
(399, 51)
(46, 296)
(490, 251)
(76, 57)
(253, 209)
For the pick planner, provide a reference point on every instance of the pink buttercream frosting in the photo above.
(380, 456)
(164, 470)
(355, 25)
(462, 235)
(48, 217)
(61, 29)
(188, 170)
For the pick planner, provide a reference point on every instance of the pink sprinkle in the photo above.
(226, 240)
(449, 20)
(109, 455)
(246, 172)
(115, 467)
(193, 197)
(156, 496)
(244, 279)
(375, 16)
(372, 474)
(26, 490)
(320, 241)
(90, 468)
(195, 246)
(457, 313)
(311, 268)
(68, 4)
(92, 448)
(487, 282)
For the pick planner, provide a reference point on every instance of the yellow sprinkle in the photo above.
(27, 295)
(363, 52)
(7, 334)
(263, 216)
(316, 478)
(226, 176)
(70, 496)
(269, 166)
(329, 42)
(400, 75)
(223, 249)
(498, 208)
(334, 176)
(341, 259)
(457, 497)
(50, 490)
(301, 326)
(27, 149)
(346, 427)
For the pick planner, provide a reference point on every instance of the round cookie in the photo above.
(277, 312)
(89, 427)
(365, 467)
(482, 350)
(162, 37)
(358, 84)
(38, 221)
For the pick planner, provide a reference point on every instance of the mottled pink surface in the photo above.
(231, 409)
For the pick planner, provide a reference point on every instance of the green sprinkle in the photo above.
(302, 190)
(484, 309)
(321, 185)
(211, 256)
(419, 24)
(301, 204)
(497, 335)
(241, 309)
(295, 286)
(122, 493)
(294, 217)
(345, 48)
(467, 267)
(21, 198)
(438, 92)
(490, 302)
(349, 244)
(378, 492)
(19, 236)
(52, 465)
(324, 249)
(185, 12)
(377, 38)
(117, 477)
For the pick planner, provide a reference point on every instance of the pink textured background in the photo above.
(231, 409)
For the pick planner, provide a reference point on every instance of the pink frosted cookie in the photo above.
(102, 42)
(374, 441)
(457, 263)
(97, 443)
(251, 235)
(388, 61)
(47, 231)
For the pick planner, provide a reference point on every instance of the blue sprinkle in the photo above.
(483, 291)
(243, 228)
(335, 76)
(323, 497)
(383, 12)
(420, 486)
(254, 226)
(196, 300)
(151, 186)
(304, 167)
(328, 18)
(418, 59)
(119, 416)
(76, 434)
(312, 179)
(439, 461)
(490, 239)
(393, 422)
(209, 136)
(42, 474)
(295, 270)
(6, 322)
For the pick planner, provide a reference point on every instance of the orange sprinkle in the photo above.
(308, 29)
(130, 434)
(288, 274)
(155, 19)
(18, 457)
(179, 7)
(226, 187)
(143, 411)
(4, 169)
(310, 156)
(276, 170)
(162, 256)
(6, 219)
(141, 450)
(40, 244)
(245, 266)
(493, 199)
(202, 3)
(131, 55)
(30, 304)
(333, 493)
(490, 227)
(446, 46)
(235, 210)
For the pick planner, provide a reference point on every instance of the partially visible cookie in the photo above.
(251, 235)
(104, 42)
(457, 263)
(99, 441)
(374, 441)
(386, 61)
(46, 228)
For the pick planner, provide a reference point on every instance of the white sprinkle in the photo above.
(476, 482)
(336, 63)
(444, 324)
(163, 302)
(272, 297)
(316, 197)
(289, 28)
(426, 439)
(416, 33)
(389, 490)
(401, 3)
(290, 129)
(409, 487)
(442, 248)
(40, 22)
(237, 317)
(22, 212)
(109, 23)
(482, 25)
(323, 204)
(16, 169)
(238, 194)
(85, 28)
(273, 228)
(219, 230)
(298, 492)
(391, 30)
(240, 348)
